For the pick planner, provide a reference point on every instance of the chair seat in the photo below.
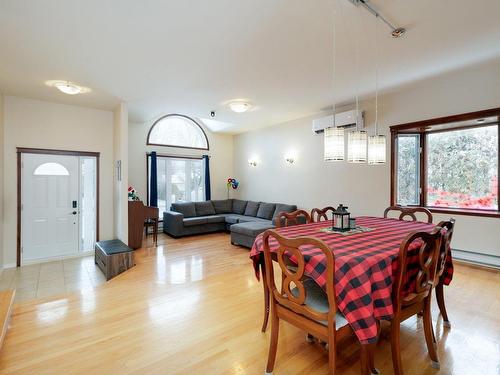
(317, 300)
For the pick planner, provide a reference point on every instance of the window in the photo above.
(51, 169)
(408, 169)
(177, 131)
(179, 180)
(462, 168)
(448, 165)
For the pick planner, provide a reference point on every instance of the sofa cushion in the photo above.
(239, 206)
(251, 229)
(280, 207)
(190, 221)
(247, 219)
(204, 208)
(233, 219)
(224, 206)
(214, 218)
(251, 208)
(185, 208)
(266, 210)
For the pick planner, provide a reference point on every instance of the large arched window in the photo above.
(177, 131)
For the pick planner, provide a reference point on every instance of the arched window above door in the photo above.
(51, 169)
(177, 131)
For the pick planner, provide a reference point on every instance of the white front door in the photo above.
(50, 211)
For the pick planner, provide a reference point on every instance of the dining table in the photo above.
(366, 262)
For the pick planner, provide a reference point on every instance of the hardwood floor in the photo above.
(193, 306)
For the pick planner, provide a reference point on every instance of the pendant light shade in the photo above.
(356, 146)
(376, 149)
(334, 144)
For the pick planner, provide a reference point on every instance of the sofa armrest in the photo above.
(173, 223)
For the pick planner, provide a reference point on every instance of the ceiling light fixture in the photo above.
(396, 32)
(334, 148)
(239, 106)
(376, 143)
(68, 87)
(357, 139)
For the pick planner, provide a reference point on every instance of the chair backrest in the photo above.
(409, 212)
(293, 278)
(416, 267)
(445, 247)
(286, 219)
(318, 214)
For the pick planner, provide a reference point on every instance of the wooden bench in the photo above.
(113, 257)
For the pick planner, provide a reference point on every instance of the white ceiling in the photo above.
(191, 56)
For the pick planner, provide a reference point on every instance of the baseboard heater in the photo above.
(477, 258)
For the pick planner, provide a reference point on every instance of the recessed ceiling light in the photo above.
(239, 106)
(68, 87)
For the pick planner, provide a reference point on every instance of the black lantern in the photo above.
(340, 221)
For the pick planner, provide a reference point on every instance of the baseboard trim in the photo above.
(479, 259)
(50, 259)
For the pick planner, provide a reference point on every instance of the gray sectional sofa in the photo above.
(245, 219)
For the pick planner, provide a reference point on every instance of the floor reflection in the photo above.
(52, 312)
(178, 271)
(166, 309)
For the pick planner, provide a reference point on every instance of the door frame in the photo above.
(27, 150)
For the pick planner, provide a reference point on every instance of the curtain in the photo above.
(153, 183)
(208, 193)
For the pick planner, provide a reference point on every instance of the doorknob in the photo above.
(74, 213)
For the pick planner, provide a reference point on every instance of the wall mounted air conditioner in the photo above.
(342, 120)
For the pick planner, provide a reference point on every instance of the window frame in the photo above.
(425, 127)
(148, 143)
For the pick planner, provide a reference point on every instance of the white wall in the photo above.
(1, 179)
(120, 141)
(221, 158)
(310, 182)
(40, 124)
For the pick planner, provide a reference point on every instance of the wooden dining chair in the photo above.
(286, 219)
(408, 212)
(301, 302)
(416, 272)
(441, 266)
(318, 214)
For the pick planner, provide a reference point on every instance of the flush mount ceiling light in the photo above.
(239, 106)
(67, 87)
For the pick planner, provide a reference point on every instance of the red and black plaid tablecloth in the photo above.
(364, 267)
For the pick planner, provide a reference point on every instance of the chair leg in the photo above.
(266, 299)
(273, 346)
(442, 307)
(395, 348)
(332, 354)
(429, 333)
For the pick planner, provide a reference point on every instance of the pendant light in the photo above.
(356, 139)
(334, 137)
(376, 143)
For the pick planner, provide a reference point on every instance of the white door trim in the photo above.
(24, 150)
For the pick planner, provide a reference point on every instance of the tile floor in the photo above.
(52, 278)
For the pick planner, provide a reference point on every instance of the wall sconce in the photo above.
(252, 162)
